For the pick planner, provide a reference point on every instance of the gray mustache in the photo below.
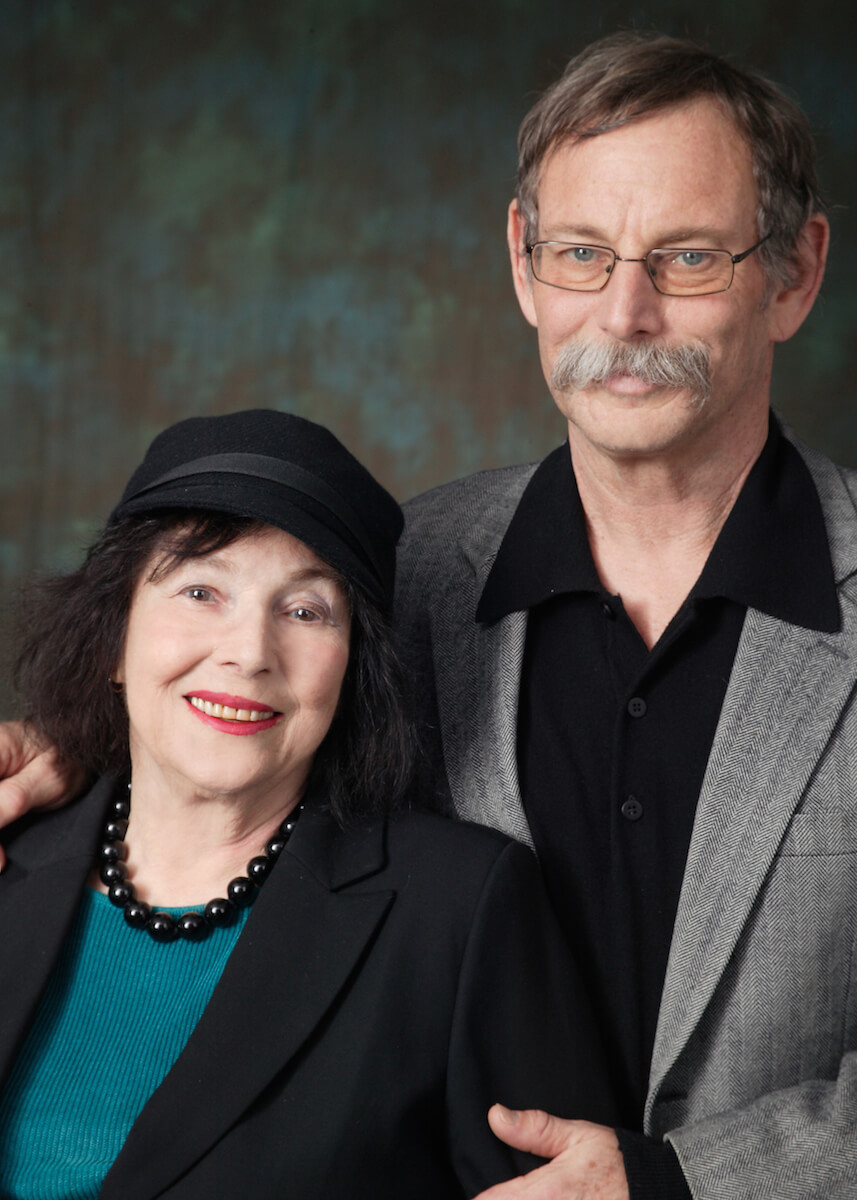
(585, 364)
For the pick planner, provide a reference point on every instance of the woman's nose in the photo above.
(247, 646)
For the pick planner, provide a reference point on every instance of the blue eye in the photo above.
(583, 254)
(692, 258)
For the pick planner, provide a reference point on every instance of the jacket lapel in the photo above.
(301, 943)
(479, 719)
(788, 688)
(481, 766)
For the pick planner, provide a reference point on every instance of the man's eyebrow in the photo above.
(703, 235)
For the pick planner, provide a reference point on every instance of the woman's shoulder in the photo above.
(44, 836)
(451, 847)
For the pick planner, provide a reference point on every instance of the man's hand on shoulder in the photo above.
(29, 776)
(586, 1162)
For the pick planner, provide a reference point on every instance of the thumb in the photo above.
(531, 1129)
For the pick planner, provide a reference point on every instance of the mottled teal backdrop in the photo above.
(210, 204)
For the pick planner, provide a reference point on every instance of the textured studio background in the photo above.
(213, 204)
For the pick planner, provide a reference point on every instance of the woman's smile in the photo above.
(232, 714)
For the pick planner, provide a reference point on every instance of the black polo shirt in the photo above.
(614, 738)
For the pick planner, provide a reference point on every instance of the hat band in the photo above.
(261, 466)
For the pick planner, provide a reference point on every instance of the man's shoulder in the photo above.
(829, 477)
(481, 505)
(837, 491)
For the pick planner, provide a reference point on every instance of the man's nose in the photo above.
(630, 305)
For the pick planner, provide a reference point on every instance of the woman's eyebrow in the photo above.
(308, 574)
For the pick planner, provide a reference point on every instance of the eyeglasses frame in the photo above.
(734, 258)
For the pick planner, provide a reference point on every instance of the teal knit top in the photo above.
(117, 1013)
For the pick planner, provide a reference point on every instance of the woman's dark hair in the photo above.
(72, 633)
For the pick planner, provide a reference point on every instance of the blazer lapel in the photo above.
(479, 721)
(303, 940)
(788, 688)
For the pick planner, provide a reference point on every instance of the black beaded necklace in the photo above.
(192, 926)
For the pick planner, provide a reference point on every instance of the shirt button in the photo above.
(637, 706)
(608, 610)
(632, 809)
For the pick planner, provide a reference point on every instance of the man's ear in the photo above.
(790, 306)
(522, 275)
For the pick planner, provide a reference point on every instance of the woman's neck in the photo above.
(183, 850)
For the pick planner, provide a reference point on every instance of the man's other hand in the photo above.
(586, 1162)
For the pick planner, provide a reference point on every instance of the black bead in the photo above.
(137, 914)
(113, 852)
(115, 830)
(258, 868)
(121, 893)
(241, 891)
(162, 927)
(276, 846)
(122, 808)
(111, 872)
(192, 926)
(219, 911)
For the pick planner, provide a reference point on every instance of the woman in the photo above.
(335, 1022)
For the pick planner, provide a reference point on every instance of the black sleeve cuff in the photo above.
(651, 1168)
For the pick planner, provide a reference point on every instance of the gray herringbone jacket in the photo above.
(754, 1071)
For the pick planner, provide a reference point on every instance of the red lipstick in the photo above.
(231, 726)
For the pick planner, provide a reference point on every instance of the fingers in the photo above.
(533, 1130)
(550, 1182)
(17, 748)
(37, 783)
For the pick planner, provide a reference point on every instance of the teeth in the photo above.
(230, 714)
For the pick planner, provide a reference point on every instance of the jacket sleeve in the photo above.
(522, 1032)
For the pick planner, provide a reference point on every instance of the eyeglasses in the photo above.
(676, 272)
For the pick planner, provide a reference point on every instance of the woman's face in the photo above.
(232, 669)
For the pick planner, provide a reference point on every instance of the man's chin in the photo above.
(637, 426)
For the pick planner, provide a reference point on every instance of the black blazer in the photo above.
(391, 983)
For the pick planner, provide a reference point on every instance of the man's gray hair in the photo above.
(626, 76)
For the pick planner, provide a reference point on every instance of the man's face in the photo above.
(681, 178)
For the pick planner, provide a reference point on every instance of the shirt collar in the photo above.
(772, 553)
(545, 550)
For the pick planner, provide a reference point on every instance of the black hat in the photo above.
(285, 471)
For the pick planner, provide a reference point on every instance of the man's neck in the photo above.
(652, 522)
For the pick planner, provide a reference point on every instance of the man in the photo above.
(637, 656)
(640, 654)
